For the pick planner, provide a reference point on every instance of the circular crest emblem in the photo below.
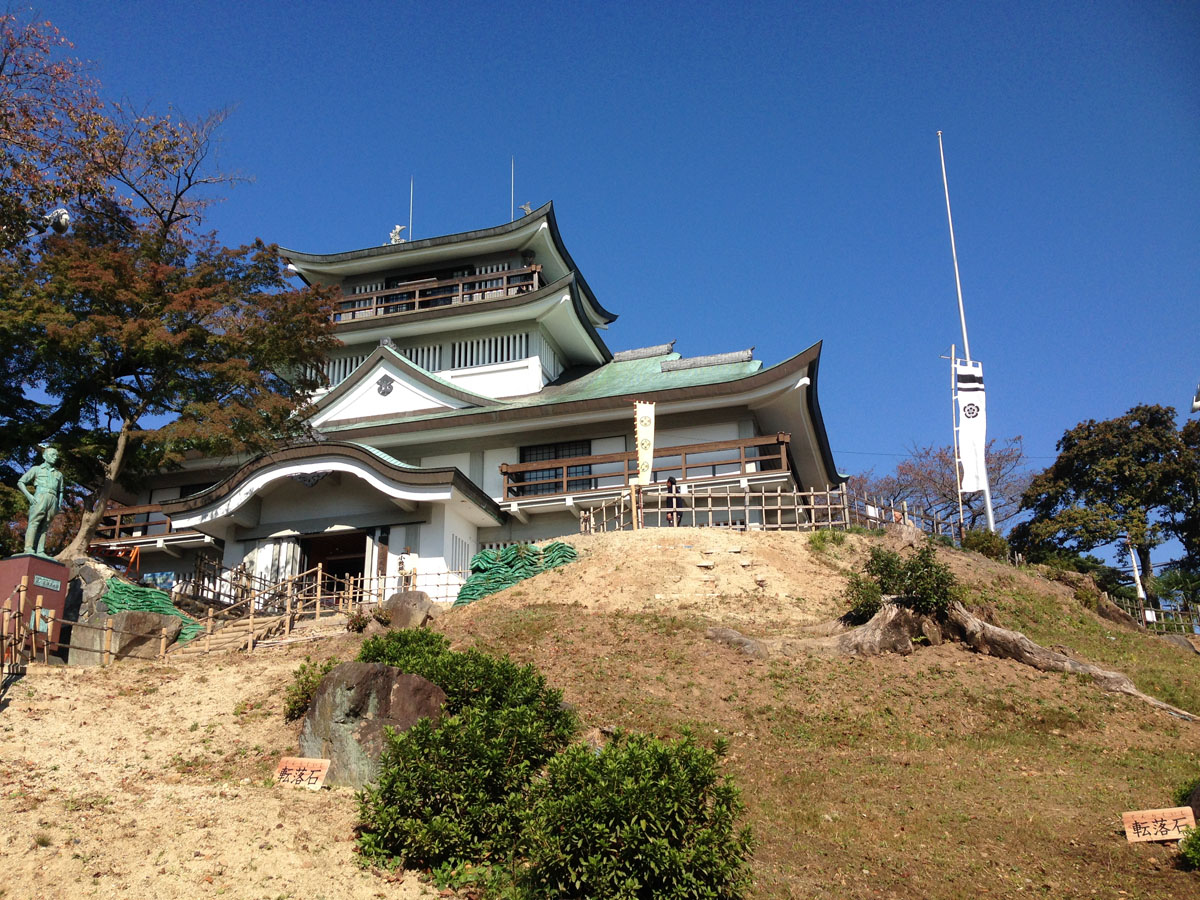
(970, 410)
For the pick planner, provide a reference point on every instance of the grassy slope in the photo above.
(944, 774)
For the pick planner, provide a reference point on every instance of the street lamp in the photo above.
(58, 221)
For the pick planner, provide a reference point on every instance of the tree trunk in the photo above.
(93, 516)
(894, 628)
(1147, 571)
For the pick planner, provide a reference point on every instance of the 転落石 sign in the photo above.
(1158, 824)
(301, 772)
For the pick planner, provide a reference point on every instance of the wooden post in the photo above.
(208, 632)
(37, 627)
(22, 595)
(250, 640)
(287, 616)
(320, 586)
(106, 659)
(162, 645)
(49, 631)
(904, 506)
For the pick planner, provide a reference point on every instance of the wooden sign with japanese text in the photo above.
(1158, 824)
(300, 772)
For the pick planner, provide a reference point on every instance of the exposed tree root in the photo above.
(894, 627)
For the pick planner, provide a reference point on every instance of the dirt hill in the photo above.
(941, 774)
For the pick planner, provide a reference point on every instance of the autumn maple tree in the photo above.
(137, 338)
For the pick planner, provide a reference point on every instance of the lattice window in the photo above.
(551, 479)
(428, 357)
(489, 350)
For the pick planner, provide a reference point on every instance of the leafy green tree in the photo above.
(1130, 478)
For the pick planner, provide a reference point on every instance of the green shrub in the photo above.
(887, 568)
(921, 582)
(357, 622)
(987, 543)
(382, 616)
(642, 818)
(469, 678)
(1189, 848)
(307, 678)
(1185, 791)
(929, 586)
(453, 792)
(820, 539)
(864, 598)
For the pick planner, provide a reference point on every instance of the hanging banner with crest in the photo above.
(644, 437)
(972, 425)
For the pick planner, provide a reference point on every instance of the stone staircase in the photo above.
(234, 635)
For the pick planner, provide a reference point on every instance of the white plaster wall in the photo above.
(339, 497)
(614, 471)
(460, 461)
(539, 528)
(493, 481)
(508, 379)
(697, 434)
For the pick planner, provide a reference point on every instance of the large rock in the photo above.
(136, 635)
(89, 581)
(1193, 800)
(349, 711)
(411, 609)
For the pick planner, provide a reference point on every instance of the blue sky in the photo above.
(735, 175)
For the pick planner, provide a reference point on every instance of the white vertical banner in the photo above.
(972, 425)
(644, 438)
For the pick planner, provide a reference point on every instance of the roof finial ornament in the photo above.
(527, 206)
(395, 235)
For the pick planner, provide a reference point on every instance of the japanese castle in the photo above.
(474, 403)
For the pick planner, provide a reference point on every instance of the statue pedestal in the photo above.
(48, 579)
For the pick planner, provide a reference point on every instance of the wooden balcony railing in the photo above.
(430, 293)
(125, 522)
(690, 463)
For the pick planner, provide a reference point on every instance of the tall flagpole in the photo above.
(512, 188)
(962, 317)
(411, 179)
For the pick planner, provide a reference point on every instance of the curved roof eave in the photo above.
(818, 421)
(545, 212)
(384, 466)
(805, 362)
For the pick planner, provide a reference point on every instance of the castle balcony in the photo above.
(431, 293)
(757, 461)
(145, 527)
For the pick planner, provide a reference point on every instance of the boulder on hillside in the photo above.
(1193, 800)
(349, 711)
(88, 582)
(136, 635)
(411, 609)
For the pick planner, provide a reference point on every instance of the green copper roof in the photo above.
(614, 379)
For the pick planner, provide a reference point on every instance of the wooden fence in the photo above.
(762, 509)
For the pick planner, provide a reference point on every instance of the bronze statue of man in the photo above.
(44, 502)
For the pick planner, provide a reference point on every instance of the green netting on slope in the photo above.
(492, 572)
(121, 595)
